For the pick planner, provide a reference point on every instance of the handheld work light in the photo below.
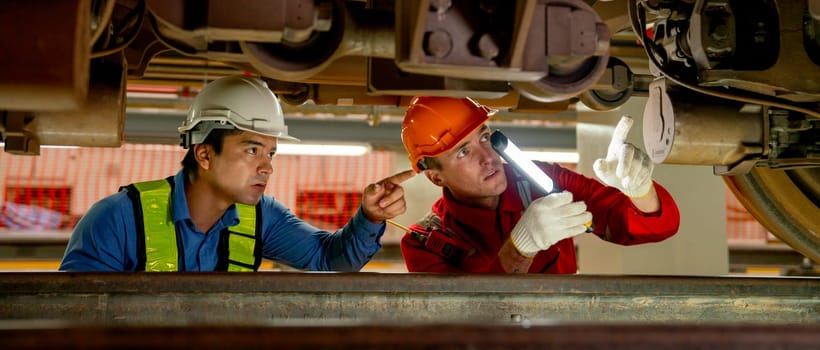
(513, 155)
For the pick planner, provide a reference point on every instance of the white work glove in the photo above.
(626, 167)
(548, 220)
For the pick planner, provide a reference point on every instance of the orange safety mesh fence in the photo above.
(741, 226)
(53, 190)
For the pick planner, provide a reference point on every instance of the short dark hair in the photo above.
(431, 163)
(215, 138)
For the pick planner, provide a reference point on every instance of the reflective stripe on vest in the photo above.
(242, 241)
(160, 233)
(161, 249)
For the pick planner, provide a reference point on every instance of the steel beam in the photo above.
(154, 127)
(329, 298)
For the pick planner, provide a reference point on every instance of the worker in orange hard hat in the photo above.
(489, 218)
(213, 215)
(433, 125)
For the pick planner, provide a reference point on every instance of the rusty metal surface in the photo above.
(45, 62)
(410, 336)
(100, 122)
(330, 298)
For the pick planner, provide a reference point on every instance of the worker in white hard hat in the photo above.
(213, 215)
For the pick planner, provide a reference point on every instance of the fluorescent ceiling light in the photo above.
(281, 149)
(552, 156)
(157, 95)
(322, 149)
(3, 145)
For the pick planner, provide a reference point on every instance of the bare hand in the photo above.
(385, 199)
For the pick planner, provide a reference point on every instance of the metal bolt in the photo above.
(487, 46)
(438, 43)
(721, 32)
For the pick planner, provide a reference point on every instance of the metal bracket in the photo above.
(18, 140)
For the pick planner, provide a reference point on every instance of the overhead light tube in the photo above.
(348, 150)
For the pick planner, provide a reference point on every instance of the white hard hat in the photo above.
(241, 102)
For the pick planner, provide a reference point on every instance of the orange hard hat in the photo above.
(434, 125)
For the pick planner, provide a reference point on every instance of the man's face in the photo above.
(472, 170)
(240, 173)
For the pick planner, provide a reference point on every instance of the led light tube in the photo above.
(513, 155)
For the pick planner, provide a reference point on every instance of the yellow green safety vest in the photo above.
(157, 248)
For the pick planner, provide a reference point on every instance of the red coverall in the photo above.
(468, 239)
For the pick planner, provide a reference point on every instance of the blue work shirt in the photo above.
(105, 239)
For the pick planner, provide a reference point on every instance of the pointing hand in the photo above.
(625, 167)
(385, 199)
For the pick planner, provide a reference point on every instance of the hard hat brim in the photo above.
(221, 120)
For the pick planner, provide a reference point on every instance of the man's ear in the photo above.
(202, 154)
(435, 177)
